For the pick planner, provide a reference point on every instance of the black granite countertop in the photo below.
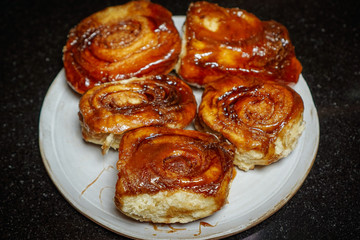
(326, 35)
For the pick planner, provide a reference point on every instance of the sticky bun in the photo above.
(110, 109)
(136, 39)
(172, 175)
(262, 119)
(219, 41)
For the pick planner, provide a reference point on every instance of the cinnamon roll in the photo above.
(219, 41)
(172, 175)
(262, 119)
(110, 109)
(131, 40)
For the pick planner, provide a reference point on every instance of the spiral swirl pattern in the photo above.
(116, 107)
(153, 159)
(131, 40)
(220, 41)
(250, 113)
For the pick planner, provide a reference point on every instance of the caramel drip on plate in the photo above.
(96, 179)
(203, 224)
(172, 229)
(101, 190)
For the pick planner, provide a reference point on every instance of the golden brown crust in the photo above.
(172, 165)
(219, 41)
(254, 115)
(156, 158)
(131, 40)
(116, 107)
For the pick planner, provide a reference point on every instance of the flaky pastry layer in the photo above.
(136, 39)
(108, 110)
(172, 175)
(262, 119)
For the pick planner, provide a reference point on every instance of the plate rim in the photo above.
(68, 197)
(231, 232)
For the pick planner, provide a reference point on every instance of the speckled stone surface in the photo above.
(326, 35)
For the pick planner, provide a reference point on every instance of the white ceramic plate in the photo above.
(86, 178)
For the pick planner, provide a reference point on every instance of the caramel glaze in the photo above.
(172, 229)
(154, 159)
(131, 40)
(203, 224)
(220, 41)
(116, 107)
(249, 112)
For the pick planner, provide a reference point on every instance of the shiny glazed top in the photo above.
(222, 41)
(249, 113)
(131, 40)
(116, 107)
(153, 159)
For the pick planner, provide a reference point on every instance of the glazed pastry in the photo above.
(131, 40)
(262, 119)
(219, 41)
(110, 109)
(172, 175)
